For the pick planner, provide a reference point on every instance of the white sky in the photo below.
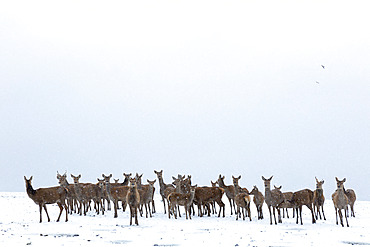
(195, 87)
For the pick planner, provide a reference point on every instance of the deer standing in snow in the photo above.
(178, 199)
(318, 199)
(242, 200)
(340, 201)
(162, 188)
(258, 200)
(43, 196)
(133, 200)
(229, 191)
(272, 199)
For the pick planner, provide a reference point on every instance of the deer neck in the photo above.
(192, 193)
(267, 193)
(107, 189)
(78, 189)
(319, 192)
(30, 191)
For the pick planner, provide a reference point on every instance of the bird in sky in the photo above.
(323, 66)
(317, 82)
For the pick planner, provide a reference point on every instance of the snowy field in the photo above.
(19, 226)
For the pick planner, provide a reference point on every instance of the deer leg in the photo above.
(153, 206)
(269, 207)
(346, 215)
(341, 216)
(279, 216)
(352, 211)
(273, 209)
(300, 214)
(313, 216)
(164, 203)
(61, 210)
(40, 208)
(136, 221)
(231, 205)
(146, 210)
(322, 209)
(297, 214)
(47, 214)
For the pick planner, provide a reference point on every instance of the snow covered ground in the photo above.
(19, 226)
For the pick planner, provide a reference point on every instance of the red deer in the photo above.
(287, 196)
(133, 200)
(340, 201)
(105, 193)
(116, 194)
(258, 200)
(163, 188)
(318, 199)
(177, 199)
(272, 199)
(71, 194)
(300, 198)
(229, 191)
(351, 195)
(146, 197)
(242, 200)
(208, 195)
(43, 196)
(85, 192)
(144, 187)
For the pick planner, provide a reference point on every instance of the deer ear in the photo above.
(240, 176)
(31, 178)
(79, 176)
(344, 179)
(263, 178)
(322, 181)
(270, 177)
(336, 179)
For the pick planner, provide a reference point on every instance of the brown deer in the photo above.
(318, 199)
(286, 204)
(300, 198)
(272, 199)
(351, 195)
(163, 187)
(144, 187)
(116, 194)
(178, 199)
(242, 200)
(340, 201)
(71, 194)
(209, 195)
(258, 200)
(85, 192)
(43, 196)
(133, 200)
(146, 197)
(229, 191)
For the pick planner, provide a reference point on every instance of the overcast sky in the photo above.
(190, 87)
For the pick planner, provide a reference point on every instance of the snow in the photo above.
(19, 226)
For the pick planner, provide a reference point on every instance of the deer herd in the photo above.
(79, 198)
